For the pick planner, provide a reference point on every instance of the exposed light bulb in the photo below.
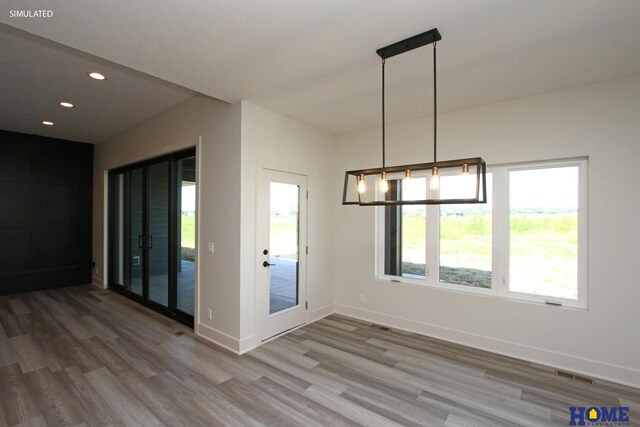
(362, 187)
(434, 183)
(468, 179)
(407, 174)
(384, 185)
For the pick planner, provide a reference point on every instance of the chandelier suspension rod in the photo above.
(435, 107)
(383, 118)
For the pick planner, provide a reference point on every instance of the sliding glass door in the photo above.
(152, 233)
(186, 254)
(158, 231)
(127, 230)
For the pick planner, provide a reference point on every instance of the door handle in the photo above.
(150, 242)
(139, 242)
(267, 264)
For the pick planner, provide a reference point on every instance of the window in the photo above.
(405, 226)
(527, 242)
(466, 239)
(543, 231)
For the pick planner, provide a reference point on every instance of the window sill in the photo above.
(485, 292)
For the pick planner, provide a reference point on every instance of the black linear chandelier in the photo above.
(436, 183)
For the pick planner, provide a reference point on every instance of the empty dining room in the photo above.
(363, 213)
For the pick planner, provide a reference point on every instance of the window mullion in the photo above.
(500, 278)
(583, 200)
(433, 244)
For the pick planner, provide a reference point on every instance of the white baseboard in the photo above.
(219, 338)
(571, 363)
(321, 312)
(249, 343)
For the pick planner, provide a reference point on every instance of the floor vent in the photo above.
(571, 376)
(178, 333)
(384, 328)
(584, 379)
(565, 374)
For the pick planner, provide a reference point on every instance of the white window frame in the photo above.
(500, 241)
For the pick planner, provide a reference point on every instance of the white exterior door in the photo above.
(282, 244)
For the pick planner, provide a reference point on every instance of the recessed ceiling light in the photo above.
(66, 104)
(96, 76)
(47, 123)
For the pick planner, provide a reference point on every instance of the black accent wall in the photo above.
(46, 190)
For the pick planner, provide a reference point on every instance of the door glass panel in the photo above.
(133, 194)
(186, 233)
(284, 221)
(118, 230)
(158, 239)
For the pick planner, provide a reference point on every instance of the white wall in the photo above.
(601, 121)
(275, 141)
(236, 140)
(217, 125)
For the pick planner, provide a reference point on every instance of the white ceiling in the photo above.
(36, 74)
(315, 61)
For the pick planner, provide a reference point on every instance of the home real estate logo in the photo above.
(599, 416)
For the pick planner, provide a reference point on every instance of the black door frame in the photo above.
(171, 309)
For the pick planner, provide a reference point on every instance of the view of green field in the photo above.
(284, 236)
(543, 248)
(188, 233)
(544, 254)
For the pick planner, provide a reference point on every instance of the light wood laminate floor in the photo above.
(82, 356)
